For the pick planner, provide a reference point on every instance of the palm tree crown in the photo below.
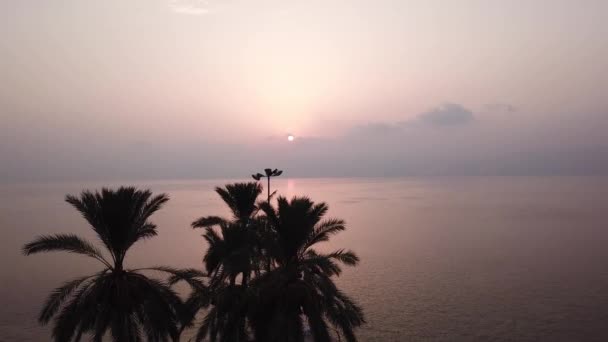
(295, 290)
(300, 287)
(124, 303)
(232, 251)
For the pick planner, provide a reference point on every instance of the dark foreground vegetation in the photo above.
(262, 279)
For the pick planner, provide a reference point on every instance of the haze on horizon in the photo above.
(194, 89)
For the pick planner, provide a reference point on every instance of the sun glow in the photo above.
(290, 137)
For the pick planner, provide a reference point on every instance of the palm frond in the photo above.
(68, 320)
(318, 211)
(208, 221)
(57, 297)
(147, 231)
(324, 230)
(161, 305)
(66, 243)
(345, 314)
(153, 205)
(346, 257)
(188, 275)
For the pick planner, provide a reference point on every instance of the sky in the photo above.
(164, 89)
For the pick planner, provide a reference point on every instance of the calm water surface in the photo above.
(444, 259)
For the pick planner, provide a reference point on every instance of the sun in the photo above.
(290, 137)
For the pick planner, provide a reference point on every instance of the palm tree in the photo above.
(233, 251)
(300, 288)
(295, 289)
(124, 303)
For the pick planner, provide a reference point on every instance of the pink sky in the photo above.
(111, 77)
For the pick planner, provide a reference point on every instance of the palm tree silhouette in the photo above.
(295, 289)
(300, 285)
(232, 251)
(124, 303)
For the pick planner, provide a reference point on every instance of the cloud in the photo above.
(446, 115)
(377, 128)
(500, 107)
(192, 7)
(449, 114)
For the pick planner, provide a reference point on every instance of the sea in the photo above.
(442, 259)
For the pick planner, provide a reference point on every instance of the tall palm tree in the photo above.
(299, 288)
(124, 303)
(233, 251)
